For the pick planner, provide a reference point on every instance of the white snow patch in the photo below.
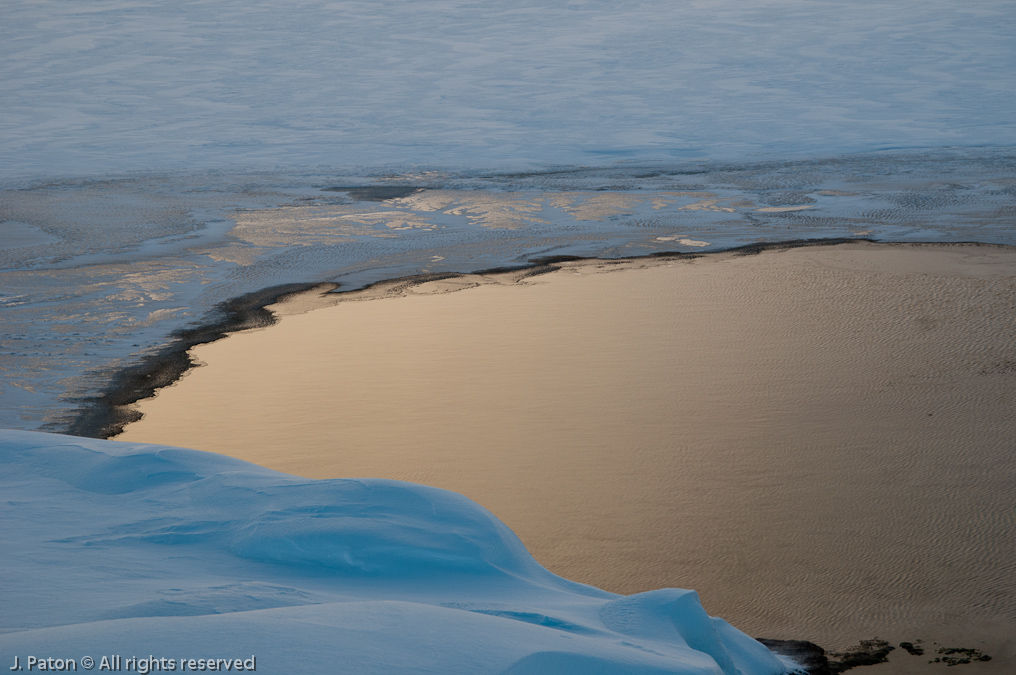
(781, 209)
(684, 241)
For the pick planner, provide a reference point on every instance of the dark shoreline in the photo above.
(105, 414)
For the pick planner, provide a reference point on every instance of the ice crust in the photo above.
(97, 272)
(122, 85)
(159, 158)
(132, 549)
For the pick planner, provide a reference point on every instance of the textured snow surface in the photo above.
(141, 550)
(116, 85)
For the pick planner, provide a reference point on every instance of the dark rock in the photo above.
(955, 656)
(809, 655)
(867, 653)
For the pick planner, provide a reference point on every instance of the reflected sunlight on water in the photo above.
(817, 440)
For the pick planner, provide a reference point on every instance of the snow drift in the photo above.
(151, 551)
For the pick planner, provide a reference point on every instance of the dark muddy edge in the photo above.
(105, 414)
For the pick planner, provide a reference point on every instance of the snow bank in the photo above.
(150, 551)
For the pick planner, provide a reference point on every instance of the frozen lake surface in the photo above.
(159, 159)
(94, 272)
(120, 85)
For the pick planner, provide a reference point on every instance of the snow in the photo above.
(141, 550)
(117, 85)
(159, 158)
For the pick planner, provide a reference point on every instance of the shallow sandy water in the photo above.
(820, 440)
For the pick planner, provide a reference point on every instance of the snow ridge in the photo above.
(132, 549)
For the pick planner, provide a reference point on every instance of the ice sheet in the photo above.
(120, 85)
(99, 271)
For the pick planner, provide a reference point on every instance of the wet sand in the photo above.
(819, 440)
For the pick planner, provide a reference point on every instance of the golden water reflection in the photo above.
(819, 440)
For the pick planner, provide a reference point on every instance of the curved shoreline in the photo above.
(105, 414)
(875, 277)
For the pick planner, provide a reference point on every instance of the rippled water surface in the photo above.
(820, 440)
